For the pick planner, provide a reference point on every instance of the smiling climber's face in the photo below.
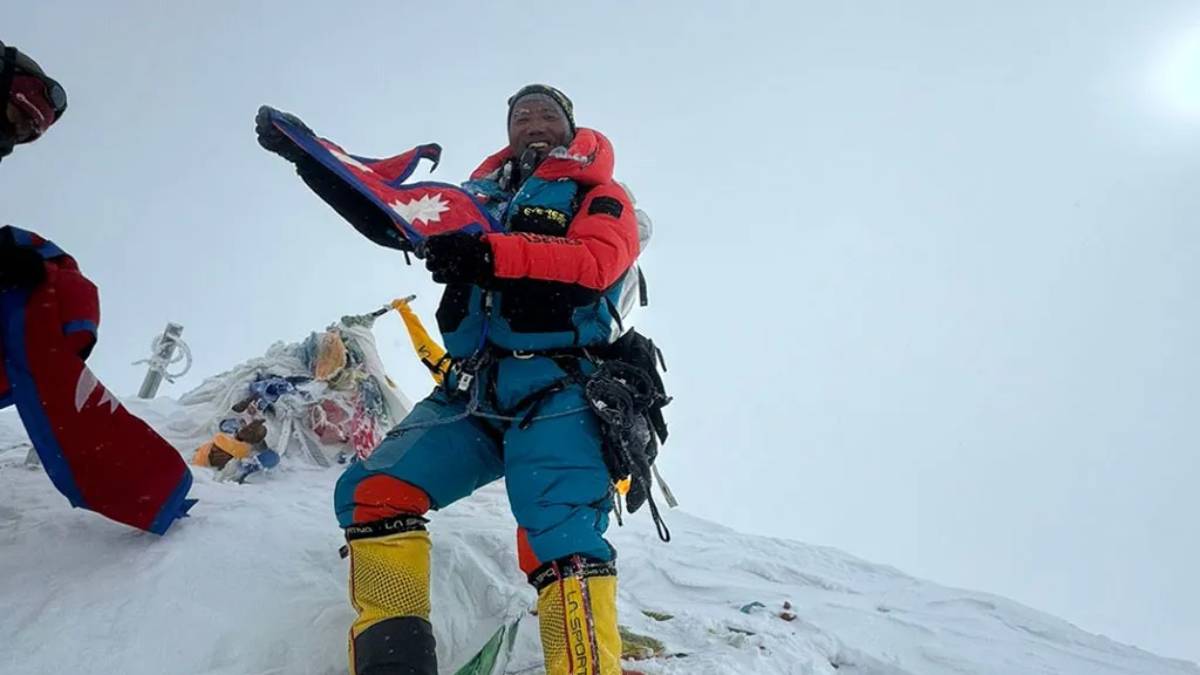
(538, 124)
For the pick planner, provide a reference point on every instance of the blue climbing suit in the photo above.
(560, 271)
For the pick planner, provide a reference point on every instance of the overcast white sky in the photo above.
(924, 272)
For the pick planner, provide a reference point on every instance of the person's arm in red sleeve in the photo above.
(79, 305)
(599, 247)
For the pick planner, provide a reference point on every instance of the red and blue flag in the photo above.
(417, 210)
(97, 453)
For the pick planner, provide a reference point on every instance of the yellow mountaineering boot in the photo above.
(389, 588)
(577, 613)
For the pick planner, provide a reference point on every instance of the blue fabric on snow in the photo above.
(267, 389)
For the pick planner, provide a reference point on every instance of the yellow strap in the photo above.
(428, 350)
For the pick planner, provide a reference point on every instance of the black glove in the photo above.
(20, 267)
(459, 257)
(274, 140)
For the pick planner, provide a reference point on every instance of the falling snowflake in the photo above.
(348, 160)
(428, 208)
(86, 386)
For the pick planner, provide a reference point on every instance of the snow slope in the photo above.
(252, 583)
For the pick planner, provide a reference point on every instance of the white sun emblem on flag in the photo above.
(348, 160)
(428, 208)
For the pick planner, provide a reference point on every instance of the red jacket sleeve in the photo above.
(600, 245)
(78, 304)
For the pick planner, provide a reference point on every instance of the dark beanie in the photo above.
(555, 95)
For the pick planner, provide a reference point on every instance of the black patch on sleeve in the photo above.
(606, 205)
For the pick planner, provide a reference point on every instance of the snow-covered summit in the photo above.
(252, 583)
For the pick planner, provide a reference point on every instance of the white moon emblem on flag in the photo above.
(428, 208)
(86, 385)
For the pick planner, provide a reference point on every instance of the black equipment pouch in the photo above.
(627, 394)
(639, 351)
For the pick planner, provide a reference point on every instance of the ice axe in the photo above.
(395, 304)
